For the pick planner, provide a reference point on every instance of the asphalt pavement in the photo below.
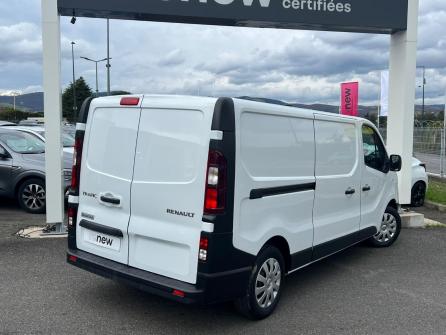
(399, 290)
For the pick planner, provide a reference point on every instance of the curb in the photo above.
(434, 205)
(415, 220)
(428, 223)
(412, 220)
(37, 232)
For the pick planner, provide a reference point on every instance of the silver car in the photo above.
(22, 169)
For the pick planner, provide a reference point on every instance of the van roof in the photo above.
(161, 99)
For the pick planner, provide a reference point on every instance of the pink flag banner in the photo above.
(349, 98)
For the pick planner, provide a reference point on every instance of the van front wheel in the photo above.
(388, 231)
(265, 285)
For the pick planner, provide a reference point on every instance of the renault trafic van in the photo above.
(205, 200)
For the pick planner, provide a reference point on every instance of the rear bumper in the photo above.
(210, 288)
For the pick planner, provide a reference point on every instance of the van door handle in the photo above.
(350, 191)
(110, 200)
(366, 188)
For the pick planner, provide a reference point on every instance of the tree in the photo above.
(83, 91)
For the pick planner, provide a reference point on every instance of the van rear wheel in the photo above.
(265, 285)
(389, 229)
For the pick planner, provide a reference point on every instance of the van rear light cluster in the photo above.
(77, 158)
(203, 251)
(216, 183)
(71, 213)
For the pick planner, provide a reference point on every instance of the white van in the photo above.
(204, 200)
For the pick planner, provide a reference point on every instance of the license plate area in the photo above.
(102, 240)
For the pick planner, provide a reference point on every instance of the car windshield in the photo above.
(23, 143)
(67, 140)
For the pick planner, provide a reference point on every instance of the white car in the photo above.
(420, 182)
(67, 140)
(207, 200)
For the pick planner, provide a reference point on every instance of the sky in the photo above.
(148, 57)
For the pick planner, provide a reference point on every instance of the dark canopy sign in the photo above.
(374, 16)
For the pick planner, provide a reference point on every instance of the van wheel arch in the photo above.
(280, 243)
(393, 204)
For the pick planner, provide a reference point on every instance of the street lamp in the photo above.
(74, 83)
(423, 85)
(15, 94)
(96, 63)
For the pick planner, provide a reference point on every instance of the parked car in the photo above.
(67, 140)
(70, 130)
(206, 200)
(30, 123)
(22, 169)
(6, 123)
(420, 183)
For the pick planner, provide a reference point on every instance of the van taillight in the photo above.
(77, 158)
(216, 183)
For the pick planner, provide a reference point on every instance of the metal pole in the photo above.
(53, 115)
(442, 153)
(443, 143)
(379, 108)
(97, 85)
(402, 76)
(424, 84)
(74, 84)
(15, 112)
(108, 57)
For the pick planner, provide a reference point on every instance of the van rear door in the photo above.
(168, 186)
(106, 175)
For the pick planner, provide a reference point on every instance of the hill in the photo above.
(32, 102)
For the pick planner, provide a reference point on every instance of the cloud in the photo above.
(20, 43)
(173, 58)
(147, 57)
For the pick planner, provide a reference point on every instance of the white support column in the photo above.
(403, 52)
(53, 113)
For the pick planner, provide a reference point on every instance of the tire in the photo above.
(270, 266)
(32, 197)
(418, 194)
(389, 230)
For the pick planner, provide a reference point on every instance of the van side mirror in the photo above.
(395, 163)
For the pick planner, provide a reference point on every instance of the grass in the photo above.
(436, 191)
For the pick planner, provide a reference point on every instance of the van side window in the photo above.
(336, 148)
(375, 155)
